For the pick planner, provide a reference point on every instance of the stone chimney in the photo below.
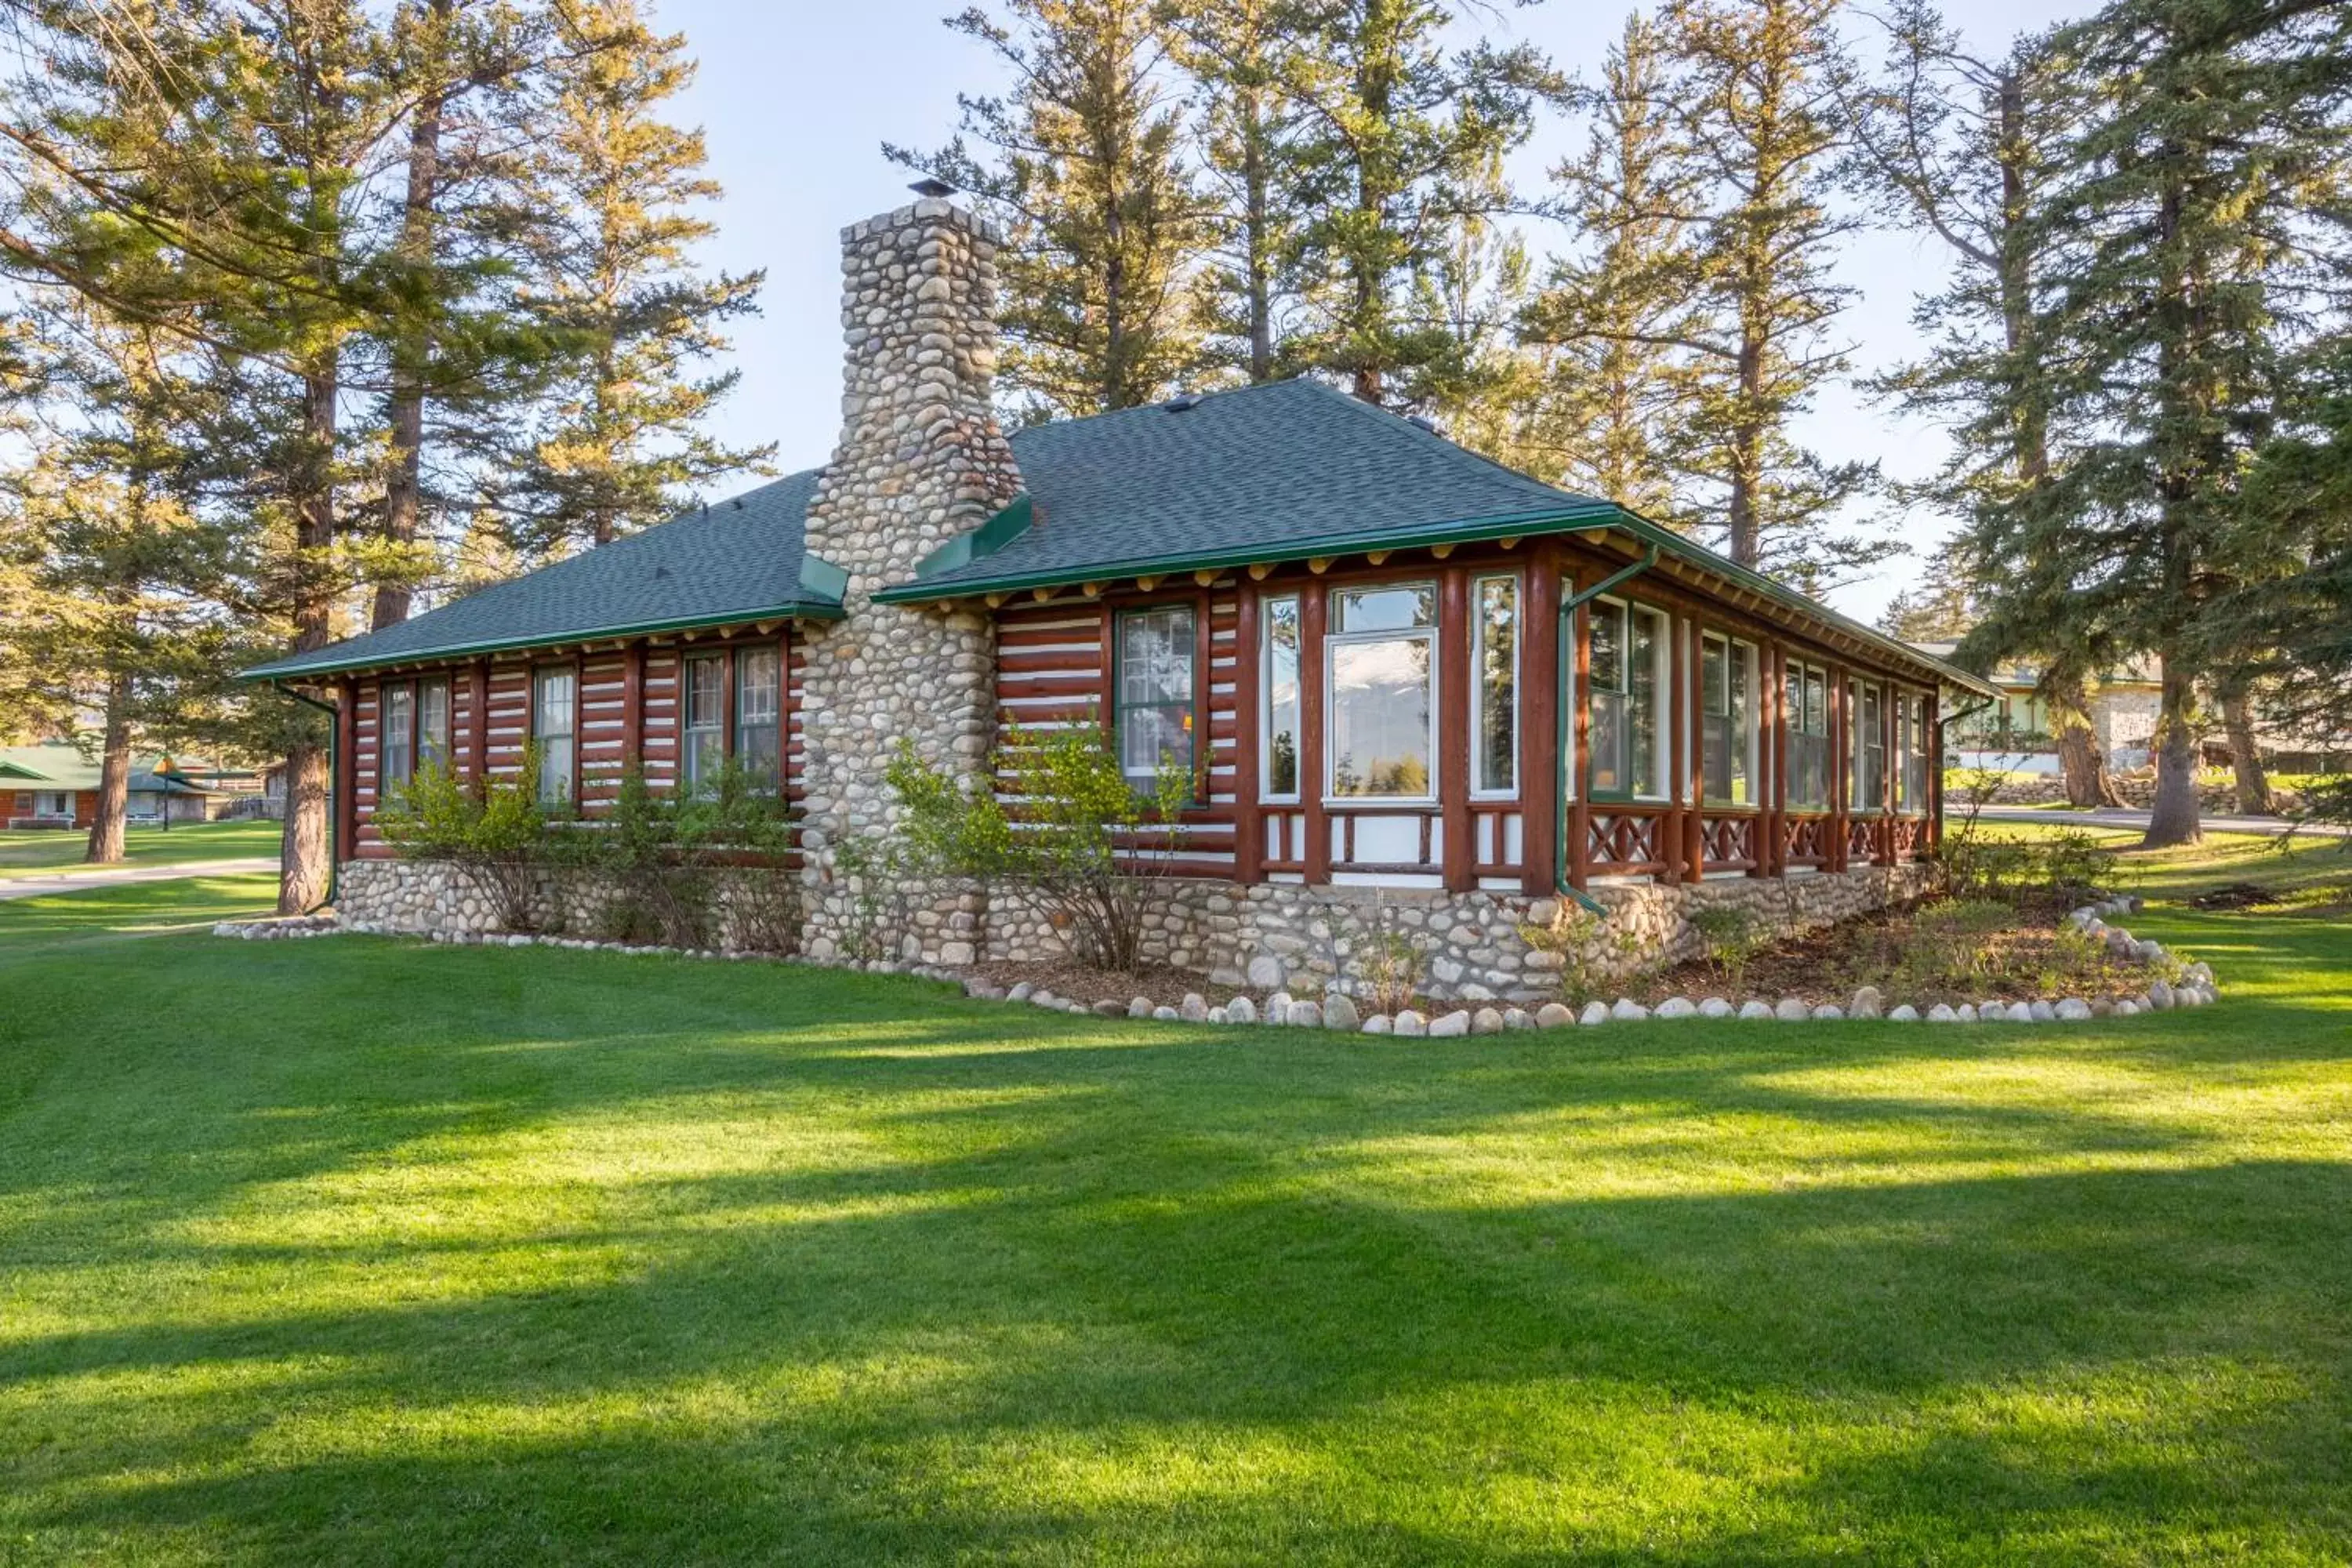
(919, 460)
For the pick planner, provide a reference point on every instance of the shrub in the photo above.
(2327, 802)
(665, 859)
(1593, 950)
(1946, 948)
(1731, 936)
(1063, 829)
(494, 832)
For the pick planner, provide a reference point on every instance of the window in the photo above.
(1865, 749)
(1494, 661)
(702, 748)
(1278, 757)
(1911, 738)
(1380, 675)
(432, 724)
(396, 736)
(1628, 655)
(1727, 719)
(1156, 692)
(52, 803)
(759, 708)
(552, 720)
(1808, 700)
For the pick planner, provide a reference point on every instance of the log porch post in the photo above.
(1539, 704)
(1457, 688)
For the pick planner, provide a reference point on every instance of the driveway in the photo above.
(81, 879)
(2137, 821)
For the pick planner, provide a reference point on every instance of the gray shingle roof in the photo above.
(1260, 472)
(740, 559)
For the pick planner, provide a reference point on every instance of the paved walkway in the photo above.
(83, 878)
(2137, 821)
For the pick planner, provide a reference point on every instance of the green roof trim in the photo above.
(982, 541)
(824, 581)
(9, 769)
(300, 667)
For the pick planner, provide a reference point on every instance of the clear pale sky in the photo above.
(796, 98)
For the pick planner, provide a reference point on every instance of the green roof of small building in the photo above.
(1280, 471)
(60, 765)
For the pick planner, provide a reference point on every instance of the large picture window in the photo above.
(396, 735)
(1727, 719)
(554, 724)
(1279, 756)
(432, 725)
(1628, 657)
(1807, 708)
(702, 751)
(1495, 665)
(1866, 749)
(758, 710)
(1380, 689)
(1154, 720)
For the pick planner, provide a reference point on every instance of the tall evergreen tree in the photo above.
(1085, 161)
(1758, 88)
(1959, 146)
(618, 442)
(1239, 53)
(2194, 212)
(1399, 145)
(1610, 395)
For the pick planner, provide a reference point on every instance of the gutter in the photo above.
(1564, 733)
(334, 813)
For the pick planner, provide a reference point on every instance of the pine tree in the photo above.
(617, 444)
(1610, 394)
(1084, 160)
(1959, 146)
(1757, 89)
(1398, 145)
(2184, 213)
(1239, 53)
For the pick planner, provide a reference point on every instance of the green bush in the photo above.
(1732, 937)
(1077, 840)
(493, 831)
(673, 866)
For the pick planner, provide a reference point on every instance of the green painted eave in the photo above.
(300, 668)
(982, 541)
(12, 770)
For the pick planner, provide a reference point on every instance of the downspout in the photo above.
(335, 781)
(1566, 730)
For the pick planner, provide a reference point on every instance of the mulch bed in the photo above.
(2035, 959)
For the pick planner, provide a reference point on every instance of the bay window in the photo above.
(1495, 671)
(1807, 697)
(1627, 654)
(702, 746)
(1279, 752)
(555, 727)
(396, 735)
(1380, 674)
(1157, 693)
(758, 708)
(1727, 719)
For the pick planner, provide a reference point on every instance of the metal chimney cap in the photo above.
(929, 186)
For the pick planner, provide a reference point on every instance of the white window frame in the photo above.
(741, 661)
(430, 748)
(690, 725)
(1477, 676)
(1860, 736)
(1265, 731)
(1661, 758)
(1805, 669)
(42, 808)
(552, 790)
(1436, 680)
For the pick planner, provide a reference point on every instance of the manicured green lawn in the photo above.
(50, 850)
(360, 1251)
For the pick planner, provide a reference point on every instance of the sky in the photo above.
(795, 100)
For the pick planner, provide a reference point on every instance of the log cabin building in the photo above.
(1387, 661)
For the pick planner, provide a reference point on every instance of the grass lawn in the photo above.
(28, 851)
(361, 1251)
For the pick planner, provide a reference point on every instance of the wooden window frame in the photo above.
(388, 756)
(1743, 654)
(1477, 674)
(1865, 731)
(1267, 615)
(1806, 670)
(1662, 694)
(539, 673)
(690, 781)
(1333, 639)
(1196, 735)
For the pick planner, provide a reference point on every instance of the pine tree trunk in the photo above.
(306, 855)
(2176, 817)
(2081, 757)
(404, 487)
(113, 776)
(2254, 783)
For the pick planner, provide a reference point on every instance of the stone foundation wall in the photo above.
(1269, 936)
(433, 898)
